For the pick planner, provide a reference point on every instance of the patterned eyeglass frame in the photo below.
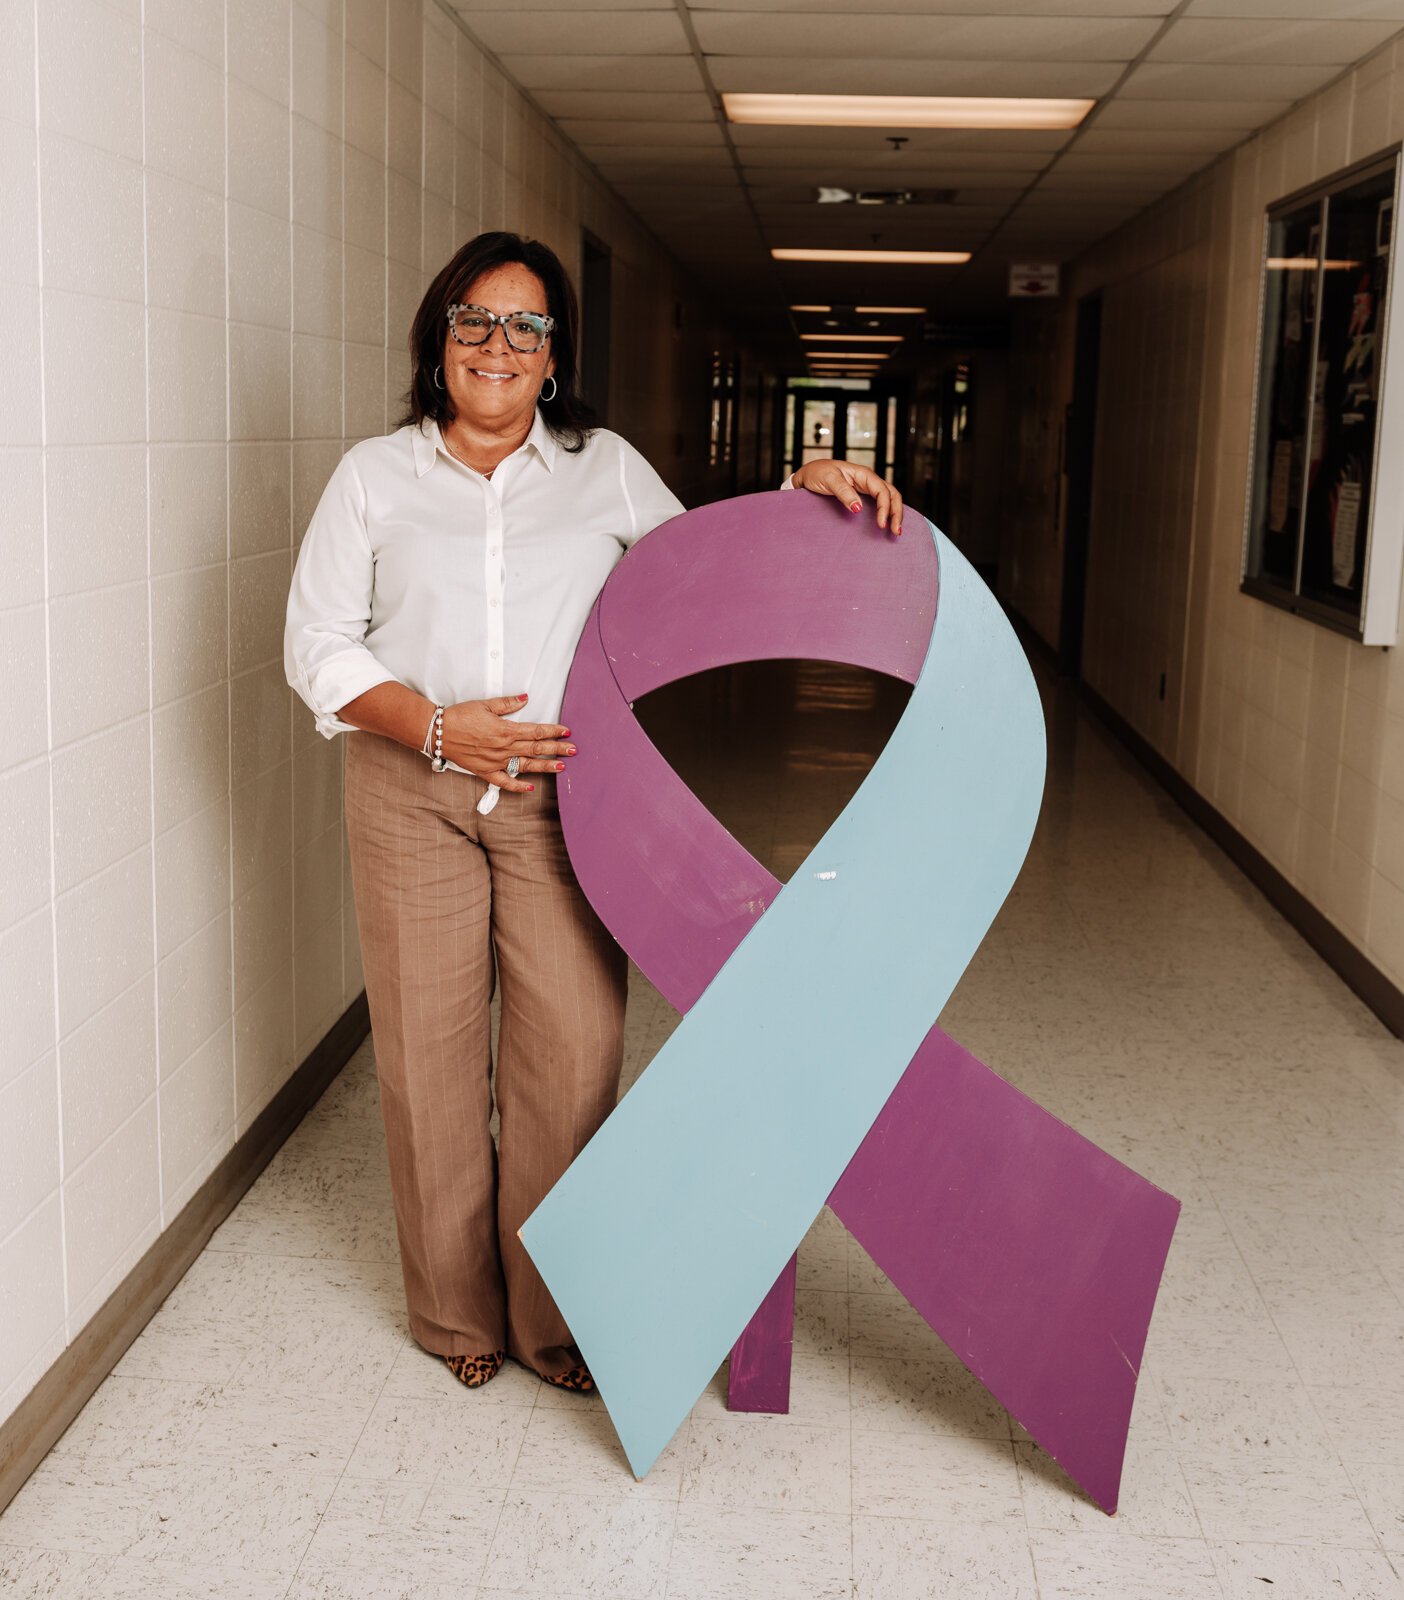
(495, 320)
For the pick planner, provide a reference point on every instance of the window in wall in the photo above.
(788, 445)
(722, 441)
(1325, 531)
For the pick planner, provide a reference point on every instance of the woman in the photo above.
(437, 600)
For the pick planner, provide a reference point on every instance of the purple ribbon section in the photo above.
(1033, 1254)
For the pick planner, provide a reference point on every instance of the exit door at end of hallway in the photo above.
(862, 428)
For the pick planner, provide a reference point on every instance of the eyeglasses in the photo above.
(525, 331)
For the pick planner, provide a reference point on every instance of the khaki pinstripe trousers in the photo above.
(446, 900)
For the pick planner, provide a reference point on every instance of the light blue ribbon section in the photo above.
(671, 1226)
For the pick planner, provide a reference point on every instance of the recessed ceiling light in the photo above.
(904, 111)
(856, 338)
(820, 309)
(910, 258)
(890, 311)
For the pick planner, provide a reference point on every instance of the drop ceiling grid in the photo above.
(1178, 83)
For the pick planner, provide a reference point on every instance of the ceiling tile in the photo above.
(609, 106)
(564, 33)
(470, 9)
(1163, 81)
(800, 11)
(589, 134)
(684, 159)
(1083, 206)
(658, 74)
(1157, 141)
(901, 220)
(703, 188)
(925, 37)
(1228, 116)
(1134, 162)
(1325, 10)
(642, 170)
(878, 75)
(936, 171)
(1269, 42)
(1099, 186)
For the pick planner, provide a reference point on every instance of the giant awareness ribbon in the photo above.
(806, 1067)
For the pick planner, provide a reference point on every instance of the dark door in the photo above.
(595, 316)
(1080, 431)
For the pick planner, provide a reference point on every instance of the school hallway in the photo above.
(274, 1432)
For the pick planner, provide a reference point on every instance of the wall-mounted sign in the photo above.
(1033, 280)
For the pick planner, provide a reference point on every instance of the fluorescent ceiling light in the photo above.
(1307, 264)
(890, 311)
(848, 357)
(811, 308)
(910, 258)
(855, 338)
(904, 111)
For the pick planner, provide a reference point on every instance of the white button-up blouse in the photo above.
(414, 567)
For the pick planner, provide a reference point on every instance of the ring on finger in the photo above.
(513, 767)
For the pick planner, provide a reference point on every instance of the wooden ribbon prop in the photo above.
(806, 1068)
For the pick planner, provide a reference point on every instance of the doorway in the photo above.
(860, 427)
(596, 307)
(1079, 438)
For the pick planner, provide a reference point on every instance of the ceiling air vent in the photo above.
(828, 196)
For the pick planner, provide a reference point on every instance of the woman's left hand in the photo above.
(849, 482)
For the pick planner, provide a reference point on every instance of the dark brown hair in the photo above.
(567, 415)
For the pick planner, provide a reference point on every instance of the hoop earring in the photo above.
(542, 395)
(438, 380)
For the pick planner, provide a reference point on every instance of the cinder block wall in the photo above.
(218, 221)
(1293, 732)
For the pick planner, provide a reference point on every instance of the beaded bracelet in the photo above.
(436, 734)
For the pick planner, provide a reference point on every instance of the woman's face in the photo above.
(491, 384)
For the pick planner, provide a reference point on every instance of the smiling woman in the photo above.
(501, 314)
(445, 578)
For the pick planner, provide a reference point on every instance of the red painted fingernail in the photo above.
(571, 750)
(521, 697)
(560, 766)
(531, 788)
(856, 506)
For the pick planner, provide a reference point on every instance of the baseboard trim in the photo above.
(31, 1431)
(1350, 963)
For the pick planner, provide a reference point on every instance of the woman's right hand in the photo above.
(479, 738)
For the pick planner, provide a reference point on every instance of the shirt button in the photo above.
(493, 551)
(494, 601)
(495, 654)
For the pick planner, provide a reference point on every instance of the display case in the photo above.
(1325, 515)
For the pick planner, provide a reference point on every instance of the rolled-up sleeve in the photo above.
(329, 605)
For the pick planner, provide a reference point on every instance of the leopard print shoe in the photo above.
(474, 1371)
(577, 1380)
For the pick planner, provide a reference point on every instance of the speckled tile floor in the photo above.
(273, 1433)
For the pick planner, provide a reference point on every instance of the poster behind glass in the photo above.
(1342, 454)
(1324, 292)
(1284, 389)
